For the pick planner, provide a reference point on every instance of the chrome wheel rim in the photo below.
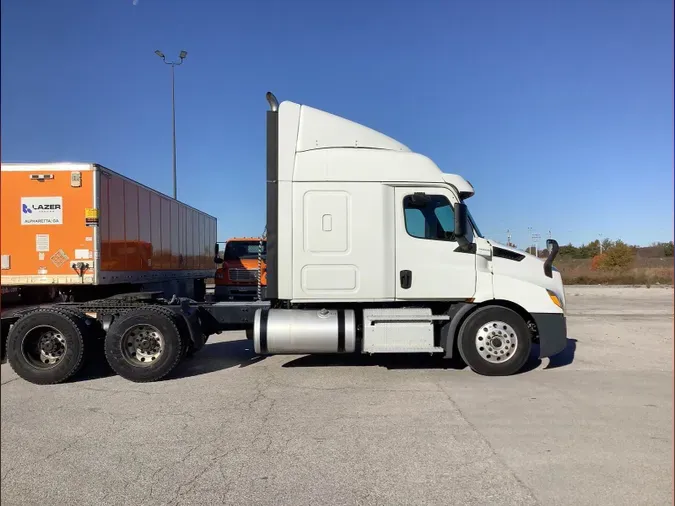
(44, 347)
(142, 345)
(496, 342)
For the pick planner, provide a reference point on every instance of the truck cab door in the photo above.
(431, 264)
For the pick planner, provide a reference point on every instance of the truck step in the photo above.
(433, 349)
(404, 318)
(399, 330)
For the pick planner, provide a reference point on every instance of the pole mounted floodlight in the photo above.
(173, 64)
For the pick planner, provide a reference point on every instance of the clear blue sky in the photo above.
(559, 112)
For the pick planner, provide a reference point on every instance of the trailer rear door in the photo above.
(46, 213)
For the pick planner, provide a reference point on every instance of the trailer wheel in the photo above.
(145, 344)
(46, 346)
(93, 351)
(494, 341)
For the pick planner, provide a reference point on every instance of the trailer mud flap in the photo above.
(191, 316)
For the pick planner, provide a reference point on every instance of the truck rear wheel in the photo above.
(46, 346)
(494, 341)
(145, 344)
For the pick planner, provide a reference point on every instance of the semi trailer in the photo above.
(79, 231)
(370, 249)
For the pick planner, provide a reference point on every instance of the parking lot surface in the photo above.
(590, 426)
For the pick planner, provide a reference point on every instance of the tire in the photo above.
(145, 344)
(46, 345)
(506, 340)
(93, 352)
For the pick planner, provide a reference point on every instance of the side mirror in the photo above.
(216, 258)
(553, 248)
(461, 219)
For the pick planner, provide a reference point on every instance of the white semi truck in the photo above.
(370, 249)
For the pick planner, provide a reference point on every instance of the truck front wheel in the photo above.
(494, 341)
(145, 344)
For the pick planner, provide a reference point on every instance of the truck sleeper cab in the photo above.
(370, 249)
(376, 252)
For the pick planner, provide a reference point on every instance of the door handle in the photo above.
(406, 279)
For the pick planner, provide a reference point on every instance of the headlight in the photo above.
(555, 299)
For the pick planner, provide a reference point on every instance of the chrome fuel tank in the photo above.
(291, 331)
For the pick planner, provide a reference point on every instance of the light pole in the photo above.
(535, 240)
(173, 64)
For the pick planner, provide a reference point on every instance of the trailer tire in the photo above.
(93, 351)
(46, 345)
(145, 344)
(494, 341)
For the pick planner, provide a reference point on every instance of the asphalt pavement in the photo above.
(592, 426)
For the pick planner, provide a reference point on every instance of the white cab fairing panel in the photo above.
(289, 121)
(437, 270)
(484, 289)
(343, 240)
(321, 130)
(289, 118)
(285, 240)
(463, 187)
(532, 297)
(524, 282)
(348, 164)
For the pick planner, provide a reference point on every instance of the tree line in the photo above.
(608, 254)
(593, 248)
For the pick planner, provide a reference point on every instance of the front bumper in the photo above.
(552, 329)
(234, 292)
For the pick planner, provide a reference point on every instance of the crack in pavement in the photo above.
(489, 445)
(114, 391)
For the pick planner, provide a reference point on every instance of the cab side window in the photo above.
(429, 217)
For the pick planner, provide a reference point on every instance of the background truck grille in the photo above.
(244, 275)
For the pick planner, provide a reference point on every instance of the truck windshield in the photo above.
(473, 224)
(244, 250)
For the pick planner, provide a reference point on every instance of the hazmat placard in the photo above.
(91, 216)
(41, 210)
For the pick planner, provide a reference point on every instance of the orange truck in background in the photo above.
(237, 276)
(79, 231)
